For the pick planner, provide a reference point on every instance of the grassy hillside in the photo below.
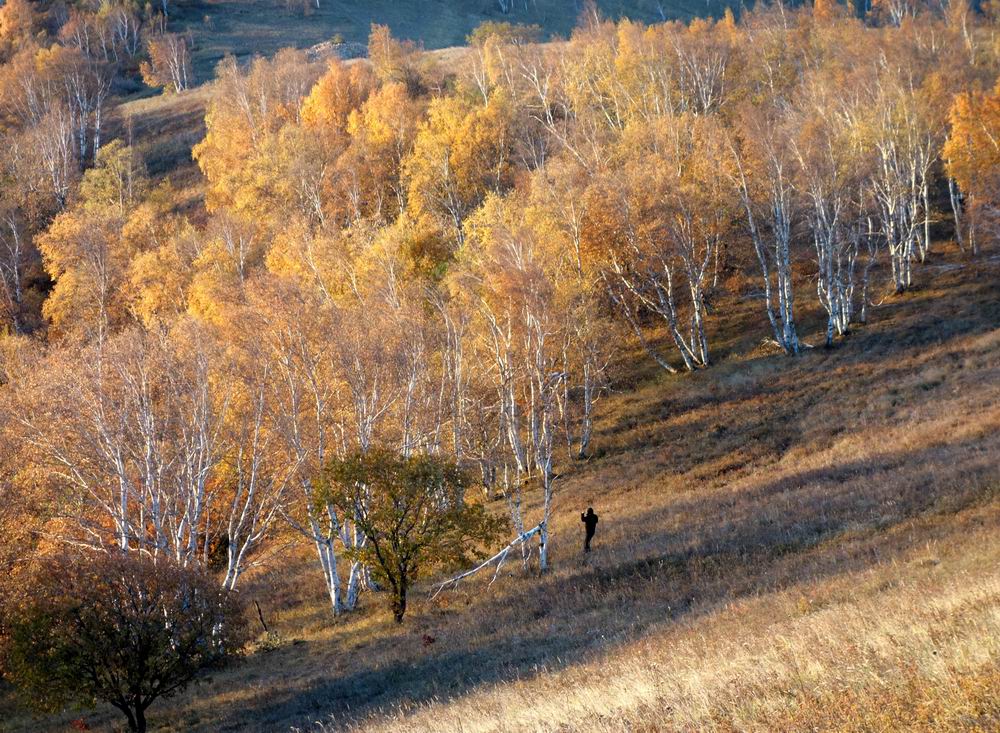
(785, 544)
(247, 27)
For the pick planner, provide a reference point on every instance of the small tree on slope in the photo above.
(413, 514)
(117, 629)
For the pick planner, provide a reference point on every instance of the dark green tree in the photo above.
(116, 628)
(413, 514)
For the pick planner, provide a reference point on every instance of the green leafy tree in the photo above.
(413, 514)
(116, 628)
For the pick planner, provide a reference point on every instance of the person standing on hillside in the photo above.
(590, 522)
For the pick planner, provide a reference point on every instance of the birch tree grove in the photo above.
(149, 484)
(526, 324)
(444, 263)
(676, 224)
(149, 457)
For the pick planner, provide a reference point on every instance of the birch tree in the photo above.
(15, 256)
(763, 175)
(252, 474)
(972, 152)
(905, 147)
(558, 213)
(826, 177)
(169, 63)
(303, 404)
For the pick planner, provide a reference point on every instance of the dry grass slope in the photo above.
(785, 545)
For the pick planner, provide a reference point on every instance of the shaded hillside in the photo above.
(247, 27)
(784, 544)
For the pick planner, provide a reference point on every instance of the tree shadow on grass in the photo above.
(761, 405)
(797, 529)
(701, 548)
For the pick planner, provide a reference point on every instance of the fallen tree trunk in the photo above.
(498, 558)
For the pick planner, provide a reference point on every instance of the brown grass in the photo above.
(164, 128)
(785, 544)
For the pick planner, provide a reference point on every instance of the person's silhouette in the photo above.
(590, 522)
